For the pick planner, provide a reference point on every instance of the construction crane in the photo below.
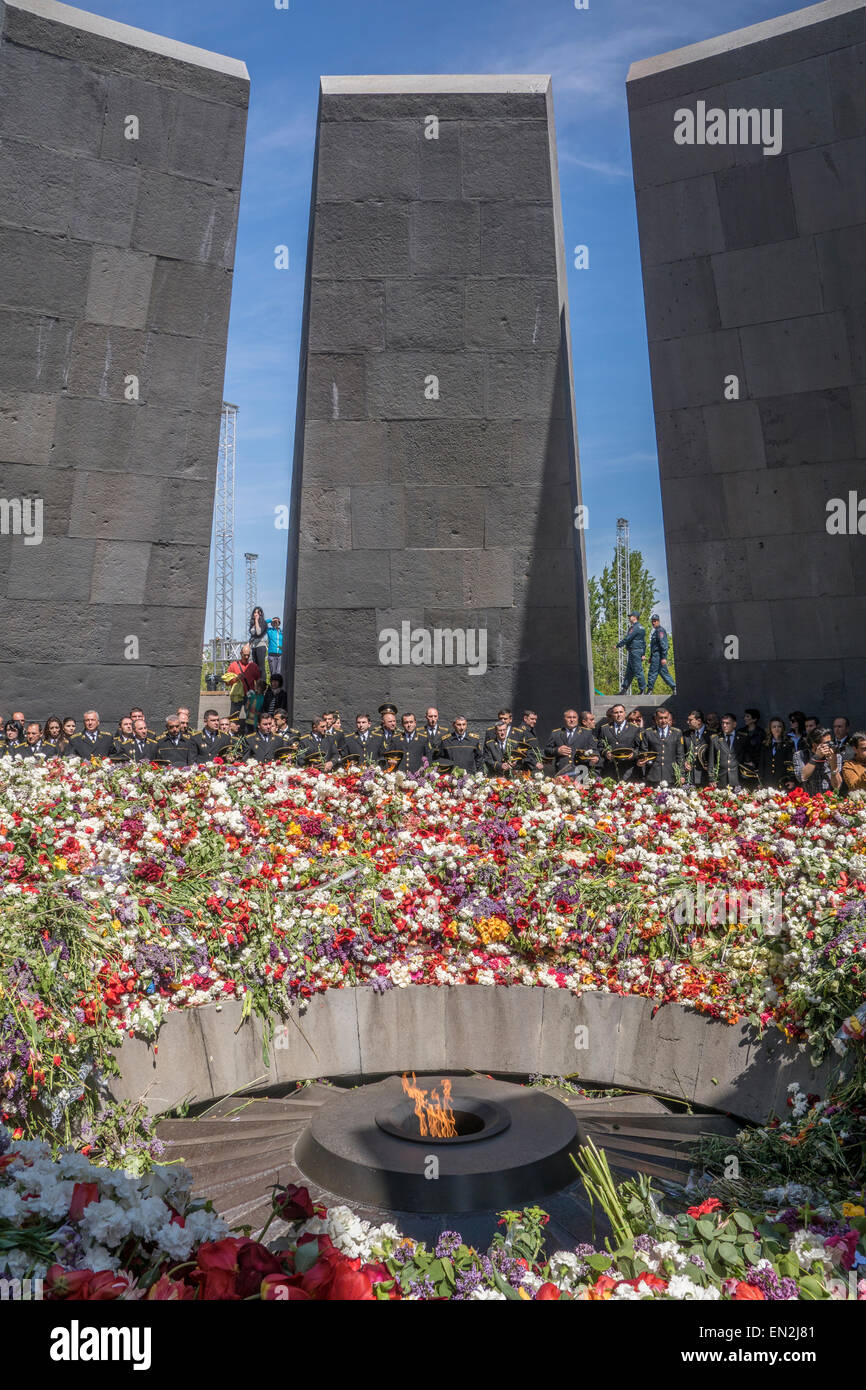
(623, 589)
(224, 538)
(251, 591)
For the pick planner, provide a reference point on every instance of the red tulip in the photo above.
(548, 1292)
(83, 1193)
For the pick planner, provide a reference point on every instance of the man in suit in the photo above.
(697, 741)
(34, 744)
(413, 744)
(727, 751)
(635, 645)
(561, 745)
(667, 744)
(433, 732)
(209, 743)
(841, 734)
(500, 755)
(92, 743)
(318, 749)
(173, 747)
(492, 729)
(461, 748)
(387, 728)
(614, 737)
(658, 662)
(142, 748)
(263, 745)
(363, 745)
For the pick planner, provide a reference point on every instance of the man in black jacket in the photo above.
(727, 751)
(413, 744)
(619, 743)
(265, 744)
(697, 741)
(363, 748)
(668, 745)
(209, 743)
(34, 744)
(561, 745)
(90, 744)
(173, 747)
(142, 748)
(318, 749)
(462, 748)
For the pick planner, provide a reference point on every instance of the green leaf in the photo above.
(744, 1221)
(729, 1254)
(752, 1252)
(598, 1262)
(449, 1269)
(436, 1272)
(306, 1256)
(706, 1229)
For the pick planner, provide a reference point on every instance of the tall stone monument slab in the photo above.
(435, 552)
(120, 169)
(750, 172)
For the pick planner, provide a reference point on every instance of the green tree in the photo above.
(603, 619)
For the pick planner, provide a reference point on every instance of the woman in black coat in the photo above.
(776, 759)
(258, 638)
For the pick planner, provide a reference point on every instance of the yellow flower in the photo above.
(850, 1209)
(293, 828)
(332, 910)
(115, 923)
(60, 862)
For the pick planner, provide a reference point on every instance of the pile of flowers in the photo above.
(128, 892)
(78, 1231)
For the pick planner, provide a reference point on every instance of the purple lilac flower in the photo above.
(448, 1242)
(771, 1286)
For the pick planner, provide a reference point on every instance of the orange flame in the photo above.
(434, 1111)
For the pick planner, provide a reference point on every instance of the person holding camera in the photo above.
(816, 763)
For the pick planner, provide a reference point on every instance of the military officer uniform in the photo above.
(415, 750)
(263, 747)
(776, 763)
(434, 738)
(498, 751)
(175, 751)
(207, 746)
(43, 747)
(611, 738)
(575, 739)
(670, 753)
(464, 752)
(697, 742)
(635, 645)
(315, 751)
(85, 745)
(367, 748)
(658, 649)
(143, 750)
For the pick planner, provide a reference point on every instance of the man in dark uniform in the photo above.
(210, 743)
(413, 744)
(562, 743)
(727, 751)
(34, 744)
(507, 753)
(697, 741)
(142, 749)
(334, 728)
(123, 739)
(388, 727)
(616, 741)
(462, 748)
(635, 645)
(90, 744)
(668, 745)
(173, 747)
(433, 731)
(318, 749)
(528, 731)
(658, 662)
(363, 746)
(265, 744)
(137, 713)
(492, 730)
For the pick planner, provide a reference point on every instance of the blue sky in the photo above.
(588, 53)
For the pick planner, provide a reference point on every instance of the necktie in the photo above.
(92, 737)
(664, 733)
(570, 736)
(731, 742)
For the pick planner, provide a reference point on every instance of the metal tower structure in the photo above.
(252, 585)
(224, 537)
(623, 589)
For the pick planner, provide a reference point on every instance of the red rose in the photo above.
(292, 1203)
(710, 1205)
(547, 1292)
(350, 1285)
(283, 1288)
(254, 1262)
(745, 1291)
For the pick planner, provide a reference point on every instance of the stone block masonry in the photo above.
(436, 474)
(120, 168)
(753, 264)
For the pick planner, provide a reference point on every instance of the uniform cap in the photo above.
(655, 618)
(387, 709)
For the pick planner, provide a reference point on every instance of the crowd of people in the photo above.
(711, 750)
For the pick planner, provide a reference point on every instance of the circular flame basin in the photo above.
(513, 1147)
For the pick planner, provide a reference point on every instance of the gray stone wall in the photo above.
(115, 262)
(436, 257)
(753, 266)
